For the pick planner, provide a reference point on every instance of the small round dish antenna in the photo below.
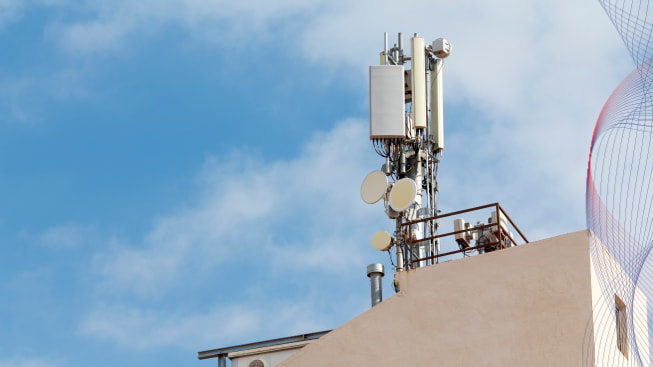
(403, 194)
(381, 241)
(374, 187)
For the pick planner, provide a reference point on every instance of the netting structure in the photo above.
(619, 203)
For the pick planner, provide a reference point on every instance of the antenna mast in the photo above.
(406, 129)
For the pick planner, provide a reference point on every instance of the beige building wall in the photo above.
(525, 306)
(606, 352)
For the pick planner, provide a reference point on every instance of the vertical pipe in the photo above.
(428, 64)
(434, 193)
(375, 273)
(430, 202)
(500, 239)
(400, 44)
(222, 361)
(400, 254)
(385, 48)
(400, 258)
(419, 227)
(388, 151)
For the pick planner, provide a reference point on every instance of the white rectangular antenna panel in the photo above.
(418, 82)
(461, 238)
(459, 225)
(387, 108)
(504, 221)
(470, 235)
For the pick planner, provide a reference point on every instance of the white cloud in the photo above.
(298, 213)
(10, 11)
(22, 93)
(532, 77)
(298, 218)
(26, 362)
(537, 74)
(527, 80)
(134, 328)
(108, 25)
(137, 329)
(67, 236)
(12, 94)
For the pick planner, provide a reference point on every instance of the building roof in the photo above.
(214, 353)
(529, 305)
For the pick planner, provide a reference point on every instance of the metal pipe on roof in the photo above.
(385, 48)
(222, 361)
(375, 273)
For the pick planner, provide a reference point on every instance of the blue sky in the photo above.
(183, 175)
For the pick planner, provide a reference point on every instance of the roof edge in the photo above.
(214, 353)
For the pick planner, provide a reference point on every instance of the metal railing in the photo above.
(498, 245)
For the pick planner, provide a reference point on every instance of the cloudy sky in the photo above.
(183, 175)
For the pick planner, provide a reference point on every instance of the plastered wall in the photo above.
(524, 306)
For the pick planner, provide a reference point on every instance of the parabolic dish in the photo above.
(381, 241)
(374, 187)
(403, 194)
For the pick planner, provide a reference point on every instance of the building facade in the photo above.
(538, 304)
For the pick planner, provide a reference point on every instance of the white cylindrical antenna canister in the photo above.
(419, 81)
(437, 119)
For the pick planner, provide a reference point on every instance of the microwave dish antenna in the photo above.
(403, 194)
(374, 187)
(381, 241)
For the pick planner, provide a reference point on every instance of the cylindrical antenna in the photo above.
(418, 83)
(437, 117)
(375, 273)
(385, 48)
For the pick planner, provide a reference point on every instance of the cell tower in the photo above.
(406, 128)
